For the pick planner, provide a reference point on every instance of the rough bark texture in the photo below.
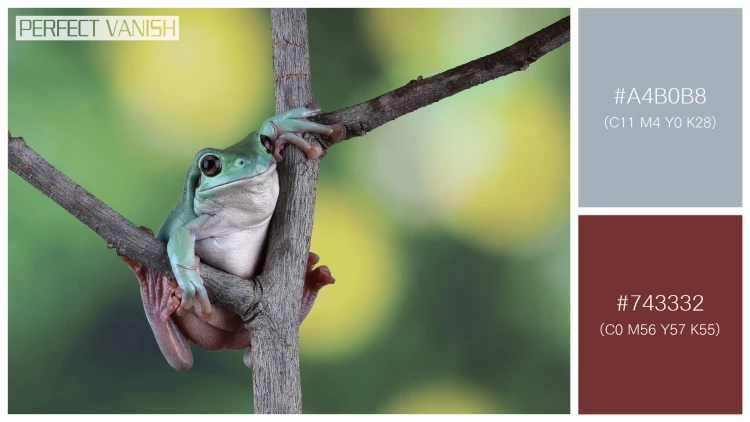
(274, 329)
(226, 290)
(420, 92)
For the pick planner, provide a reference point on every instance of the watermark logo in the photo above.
(97, 28)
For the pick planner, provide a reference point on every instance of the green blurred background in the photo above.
(447, 229)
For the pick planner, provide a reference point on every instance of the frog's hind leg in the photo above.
(159, 302)
(218, 331)
(314, 281)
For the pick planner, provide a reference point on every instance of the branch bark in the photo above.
(270, 304)
(226, 290)
(420, 92)
(274, 329)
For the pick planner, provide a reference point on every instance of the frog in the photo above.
(222, 218)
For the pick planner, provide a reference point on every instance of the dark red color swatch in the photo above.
(643, 370)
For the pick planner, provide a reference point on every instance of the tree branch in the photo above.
(365, 117)
(226, 290)
(274, 330)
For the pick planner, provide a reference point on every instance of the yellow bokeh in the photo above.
(443, 397)
(426, 41)
(530, 189)
(493, 161)
(211, 84)
(413, 36)
(358, 249)
(491, 166)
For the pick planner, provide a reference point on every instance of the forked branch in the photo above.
(274, 319)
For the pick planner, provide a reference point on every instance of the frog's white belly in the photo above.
(237, 253)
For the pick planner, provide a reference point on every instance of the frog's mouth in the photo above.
(244, 179)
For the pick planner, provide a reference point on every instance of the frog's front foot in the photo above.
(194, 295)
(288, 127)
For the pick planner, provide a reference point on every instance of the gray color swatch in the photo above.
(662, 166)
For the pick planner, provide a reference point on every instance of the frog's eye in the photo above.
(266, 142)
(211, 165)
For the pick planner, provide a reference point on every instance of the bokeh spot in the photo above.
(443, 397)
(360, 253)
(211, 84)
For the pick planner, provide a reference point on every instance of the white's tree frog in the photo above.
(222, 218)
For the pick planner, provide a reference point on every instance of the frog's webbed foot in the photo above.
(288, 127)
(159, 294)
(161, 297)
(314, 281)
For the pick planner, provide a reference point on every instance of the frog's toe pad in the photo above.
(338, 132)
(196, 303)
(318, 278)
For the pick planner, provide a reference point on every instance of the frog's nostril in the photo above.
(242, 162)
